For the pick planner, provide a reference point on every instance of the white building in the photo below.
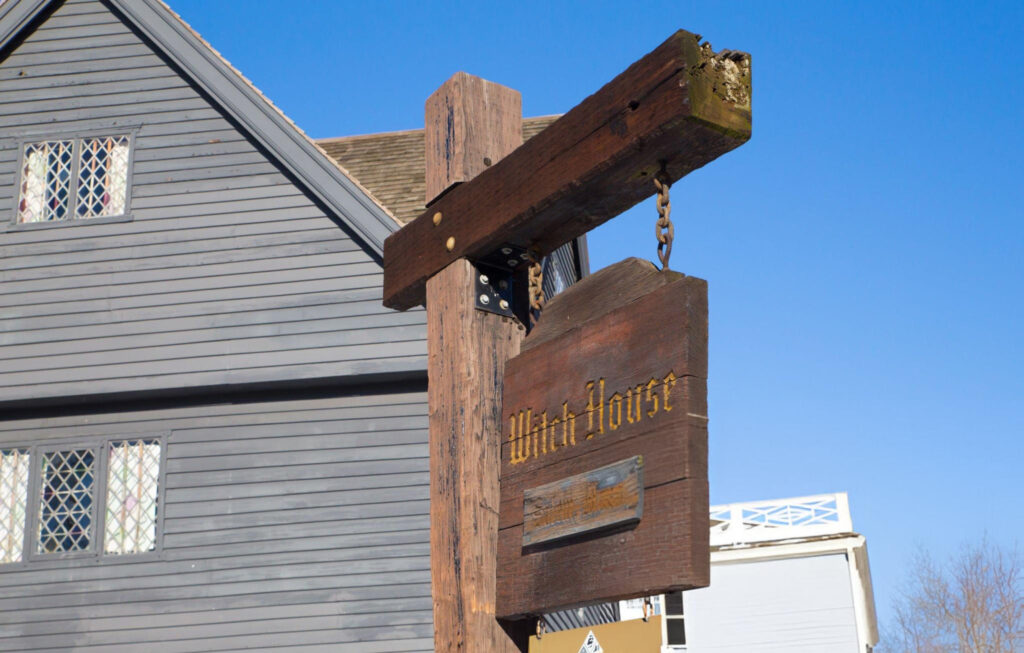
(786, 575)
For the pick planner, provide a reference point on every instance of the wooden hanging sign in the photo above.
(604, 492)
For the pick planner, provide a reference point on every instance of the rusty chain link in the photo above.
(664, 230)
(536, 277)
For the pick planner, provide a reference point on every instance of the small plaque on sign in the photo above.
(597, 500)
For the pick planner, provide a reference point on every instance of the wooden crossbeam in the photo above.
(671, 112)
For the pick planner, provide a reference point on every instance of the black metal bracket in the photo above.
(494, 287)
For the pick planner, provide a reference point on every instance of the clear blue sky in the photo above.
(864, 250)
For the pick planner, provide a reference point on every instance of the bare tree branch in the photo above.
(972, 604)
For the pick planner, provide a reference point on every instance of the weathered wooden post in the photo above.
(571, 498)
(470, 123)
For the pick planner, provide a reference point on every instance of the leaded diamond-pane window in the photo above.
(14, 470)
(74, 179)
(132, 489)
(65, 506)
(102, 176)
(45, 182)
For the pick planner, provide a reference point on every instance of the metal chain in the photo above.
(536, 277)
(664, 230)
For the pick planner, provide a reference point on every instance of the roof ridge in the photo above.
(405, 132)
(397, 132)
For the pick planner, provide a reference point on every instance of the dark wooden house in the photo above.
(212, 434)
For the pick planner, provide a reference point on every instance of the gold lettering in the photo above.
(512, 455)
(669, 382)
(590, 409)
(524, 442)
(652, 398)
(615, 411)
(532, 431)
(568, 432)
(543, 433)
(539, 436)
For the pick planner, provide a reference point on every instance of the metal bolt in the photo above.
(450, 244)
(437, 218)
(485, 300)
(525, 256)
(512, 262)
(506, 250)
(503, 304)
(484, 279)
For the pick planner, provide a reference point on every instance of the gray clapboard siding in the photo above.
(169, 260)
(131, 277)
(244, 615)
(305, 321)
(59, 94)
(88, 291)
(226, 273)
(299, 520)
(294, 220)
(106, 40)
(296, 342)
(198, 610)
(124, 77)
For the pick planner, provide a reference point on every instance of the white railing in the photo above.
(782, 519)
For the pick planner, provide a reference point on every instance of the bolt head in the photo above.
(484, 279)
(450, 243)
(485, 300)
(506, 250)
(504, 304)
(512, 262)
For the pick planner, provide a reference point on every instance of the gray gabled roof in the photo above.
(237, 97)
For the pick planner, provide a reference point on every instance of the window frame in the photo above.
(666, 617)
(36, 499)
(76, 137)
(95, 554)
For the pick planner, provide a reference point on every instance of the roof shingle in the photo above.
(392, 165)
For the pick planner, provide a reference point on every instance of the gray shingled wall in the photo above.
(228, 273)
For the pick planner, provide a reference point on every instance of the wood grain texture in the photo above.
(467, 351)
(478, 127)
(629, 379)
(678, 108)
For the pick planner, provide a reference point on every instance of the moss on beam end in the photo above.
(719, 85)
